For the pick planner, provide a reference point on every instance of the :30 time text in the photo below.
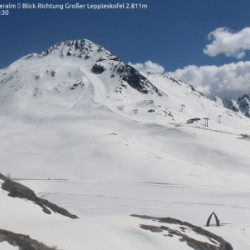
(4, 12)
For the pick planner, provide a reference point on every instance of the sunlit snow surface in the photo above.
(118, 153)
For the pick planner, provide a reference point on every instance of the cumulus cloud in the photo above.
(230, 43)
(148, 66)
(228, 80)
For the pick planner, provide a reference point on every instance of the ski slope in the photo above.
(121, 142)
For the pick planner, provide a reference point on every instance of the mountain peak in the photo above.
(81, 49)
(242, 104)
(76, 48)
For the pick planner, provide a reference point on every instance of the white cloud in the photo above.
(229, 80)
(229, 43)
(148, 66)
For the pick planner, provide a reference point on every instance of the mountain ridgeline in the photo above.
(80, 76)
(86, 50)
(241, 105)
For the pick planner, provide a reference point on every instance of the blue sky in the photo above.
(170, 33)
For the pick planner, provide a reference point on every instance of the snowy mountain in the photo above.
(111, 141)
(242, 105)
(68, 71)
(80, 75)
(82, 88)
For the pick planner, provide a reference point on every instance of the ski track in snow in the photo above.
(118, 152)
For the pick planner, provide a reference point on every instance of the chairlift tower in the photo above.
(219, 118)
(206, 121)
(182, 107)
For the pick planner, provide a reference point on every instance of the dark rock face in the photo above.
(97, 69)
(228, 103)
(77, 85)
(195, 244)
(244, 104)
(133, 78)
(192, 87)
(24, 242)
(136, 80)
(151, 110)
(76, 48)
(245, 137)
(18, 190)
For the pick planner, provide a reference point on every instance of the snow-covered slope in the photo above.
(71, 76)
(18, 214)
(78, 112)
(78, 105)
(79, 76)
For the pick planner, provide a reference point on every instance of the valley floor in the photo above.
(105, 208)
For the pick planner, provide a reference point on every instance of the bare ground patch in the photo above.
(24, 242)
(218, 243)
(18, 190)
